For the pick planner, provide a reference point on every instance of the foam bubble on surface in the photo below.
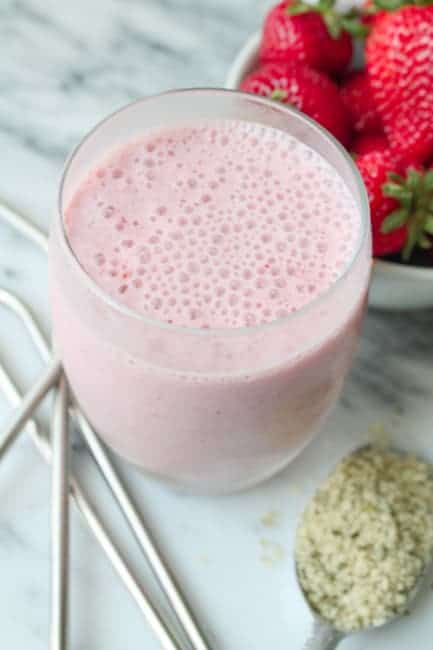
(193, 227)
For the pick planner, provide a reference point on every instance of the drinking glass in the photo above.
(211, 410)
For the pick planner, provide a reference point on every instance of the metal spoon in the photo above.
(326, 637)
(323, 636)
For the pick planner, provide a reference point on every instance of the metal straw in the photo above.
(21, 223)
(94, 522)
(60, 519)
(128, 508)
(143, 536)
(30, 401)
(7, 299)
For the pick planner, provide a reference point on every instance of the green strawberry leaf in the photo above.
(428, 225)
(397, 178)
(393, 221)
(414, 193)
(333, 23)
(413, 180)
(389, 5)
(355, 27)
(410, 243)
(396, 191)
(279, 94)
(424, 242)
(428, 180)
(297, 8)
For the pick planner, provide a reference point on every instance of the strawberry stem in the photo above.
(354, 26)
(428, 226)
(278, 94)
(392, 5)
(415, 195)
(335, 21)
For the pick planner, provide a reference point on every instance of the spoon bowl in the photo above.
(326, 637)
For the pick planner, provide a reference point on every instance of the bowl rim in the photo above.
(406, 270)
(243, 59)
(245, 56)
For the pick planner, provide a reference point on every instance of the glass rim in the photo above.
(218, 331)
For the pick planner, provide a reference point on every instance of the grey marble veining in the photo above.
(64, 66)
(394, 347)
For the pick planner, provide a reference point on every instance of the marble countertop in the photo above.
(63, 67)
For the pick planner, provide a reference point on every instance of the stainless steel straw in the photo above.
(143, 536)
(101, 456)
(30, 401)
(19, 222)
(60, 519)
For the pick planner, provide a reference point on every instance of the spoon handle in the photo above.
(323, 637)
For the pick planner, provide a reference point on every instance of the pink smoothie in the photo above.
(228, 226)
(224, 225)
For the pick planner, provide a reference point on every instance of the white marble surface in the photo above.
(62, 67)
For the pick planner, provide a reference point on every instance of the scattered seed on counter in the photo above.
(271, 519)
(272, 553)
(379, 435)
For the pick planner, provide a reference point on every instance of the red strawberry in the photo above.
(401, 206)
(368, 143)
(374, 168)
(314, 34)
(414, 192)
(306, 89)
(357, 97)
(399, 58)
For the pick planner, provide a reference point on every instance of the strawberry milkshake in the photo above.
(208, 279)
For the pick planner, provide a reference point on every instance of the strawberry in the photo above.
(414, 193)
(306, 89)
(358, 99)
(401, 205)
(313, 34)
(399, 59)
(368, 143)
(374, 168)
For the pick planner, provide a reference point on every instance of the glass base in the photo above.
(196, 486)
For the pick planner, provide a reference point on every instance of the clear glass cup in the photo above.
(213, 410)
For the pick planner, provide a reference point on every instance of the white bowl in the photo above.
(393, 286)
